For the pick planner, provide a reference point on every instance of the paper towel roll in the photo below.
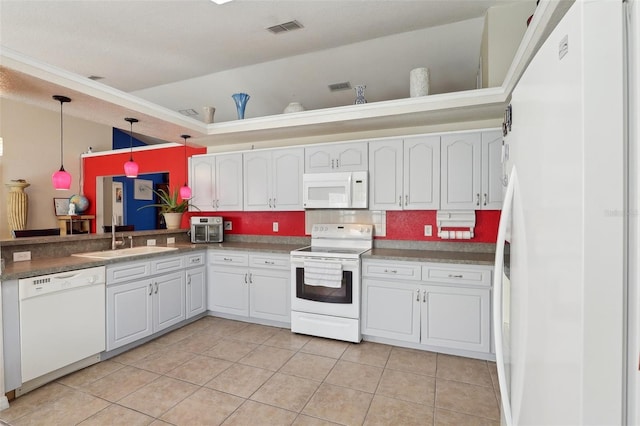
(466, 235)
(444, 235)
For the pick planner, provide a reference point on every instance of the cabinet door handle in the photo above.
(269, 202)
(455, 276)
(188, 279)
(217, 203)
(477, 199)
(245, 278)
(417, 295)
(485, 199)
(227, 259)
(337, 163)
(406, 200)
(250, 278)
(269, 262)
(156, 292)
(424, 296)
(274, 203)
(400, 200)
(332, 162)
(150, 289)
(393, 271)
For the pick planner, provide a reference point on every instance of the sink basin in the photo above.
(126, 252)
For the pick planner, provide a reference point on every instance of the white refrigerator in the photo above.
(560, 296)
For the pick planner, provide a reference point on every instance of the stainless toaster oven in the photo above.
(207, 229)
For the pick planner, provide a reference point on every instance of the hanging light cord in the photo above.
(61, 139)
(131, 141)
(185, 158)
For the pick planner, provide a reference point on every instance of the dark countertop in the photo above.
(51, 265)
(437, 256)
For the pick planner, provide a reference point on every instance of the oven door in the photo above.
(343, 301)
(199, 233)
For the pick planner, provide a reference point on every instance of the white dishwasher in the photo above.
(62, 320)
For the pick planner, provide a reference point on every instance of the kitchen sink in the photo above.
(125, 252)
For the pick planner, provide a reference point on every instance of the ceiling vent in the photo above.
(335, 87)
(287, 26)
(188, 112)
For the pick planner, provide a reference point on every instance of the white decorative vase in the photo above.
(419, 82)
(293, 107)
(207, 114)
(17, 205)
(172, 220)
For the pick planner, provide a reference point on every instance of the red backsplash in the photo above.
(401, 225)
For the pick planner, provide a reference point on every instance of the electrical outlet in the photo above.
(428, 231)
(20, 256)
(151, 242)
(228, 226)
(275, 226)
(171, 240)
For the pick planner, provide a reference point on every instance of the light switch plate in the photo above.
(151, 242)
(428, 231)
(275, 226)
(228, 226)
(171, 240)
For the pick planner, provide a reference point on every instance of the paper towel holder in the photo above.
(456, 219)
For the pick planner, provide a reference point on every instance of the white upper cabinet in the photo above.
(471, 171)
(341, 157)
(216, 182)
(461, 165)
(492, 170)
(405, 175)
(273, 180)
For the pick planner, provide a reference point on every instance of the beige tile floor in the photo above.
(217, 371)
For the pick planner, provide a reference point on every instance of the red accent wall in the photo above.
(401, 225)
(162, 160)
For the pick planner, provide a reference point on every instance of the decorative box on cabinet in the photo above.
(250, 286)
(430, 305)
(338, 157)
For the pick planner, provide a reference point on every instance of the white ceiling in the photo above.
(194, 53)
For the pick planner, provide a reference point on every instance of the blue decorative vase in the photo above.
(241, 102)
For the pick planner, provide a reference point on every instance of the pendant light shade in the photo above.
(185, 191)
(131, 167)
(61, 179)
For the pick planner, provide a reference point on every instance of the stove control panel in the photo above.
(342, 230)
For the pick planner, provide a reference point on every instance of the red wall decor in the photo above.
(161, 160)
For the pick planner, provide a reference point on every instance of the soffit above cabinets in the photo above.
(26, 80)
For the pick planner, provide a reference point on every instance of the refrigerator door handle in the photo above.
(505, 217)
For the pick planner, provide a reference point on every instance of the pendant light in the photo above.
(61, 179)
(131, 167)
(185, 191)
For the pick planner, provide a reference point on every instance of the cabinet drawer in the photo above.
(402, 270)
(467, 275)
(229, 258)
(124, 272)
(193, 260)
(166, 264)
(269, 261)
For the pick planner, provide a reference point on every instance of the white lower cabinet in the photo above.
(249, 285)
(146, 297)
(439, 306)
(196, 277)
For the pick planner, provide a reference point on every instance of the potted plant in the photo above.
(170, 207)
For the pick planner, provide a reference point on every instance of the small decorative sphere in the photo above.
(81, 202)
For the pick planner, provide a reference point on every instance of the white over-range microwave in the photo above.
(341, 190)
